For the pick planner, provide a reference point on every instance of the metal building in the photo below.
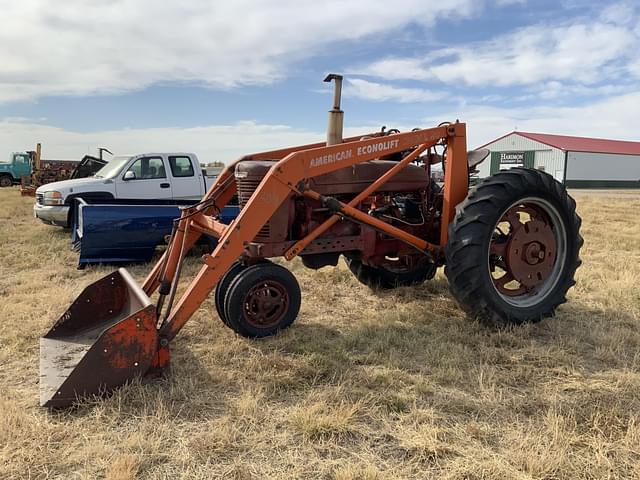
(576, 161)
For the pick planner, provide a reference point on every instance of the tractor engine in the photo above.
(408, 201)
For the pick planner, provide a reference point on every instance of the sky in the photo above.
(223, 79)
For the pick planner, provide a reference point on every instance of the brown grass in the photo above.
(364, 386)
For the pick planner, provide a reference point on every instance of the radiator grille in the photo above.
(246, 187)
(40, 198)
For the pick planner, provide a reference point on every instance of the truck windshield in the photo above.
(113, 168)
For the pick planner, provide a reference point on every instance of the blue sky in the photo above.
(226, 79)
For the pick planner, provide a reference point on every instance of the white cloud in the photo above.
(213, 142)
(84, 47)
(616, 117)
(583, 51)
(397, 69)
(381, 92)
(555, 89)
(622, 13)
(577, 52)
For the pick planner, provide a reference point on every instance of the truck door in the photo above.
(187, 182)
(21, 165)
(147, 178)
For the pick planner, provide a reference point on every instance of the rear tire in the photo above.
(262, 300)
(539, 256)
(381, 278)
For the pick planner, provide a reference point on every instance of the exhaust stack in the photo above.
(336, 116)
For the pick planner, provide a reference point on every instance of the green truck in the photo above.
(18, 166)
(29, 170)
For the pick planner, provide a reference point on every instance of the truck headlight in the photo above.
(53, 198)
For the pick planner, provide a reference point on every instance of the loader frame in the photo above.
(289, 175)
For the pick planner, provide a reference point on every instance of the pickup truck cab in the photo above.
(151, 176)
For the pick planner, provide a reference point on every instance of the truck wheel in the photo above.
(223, 287)
(380, 277)
(514, 247)
(262, 300)
(6, 181)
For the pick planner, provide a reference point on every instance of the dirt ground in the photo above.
(363, 386)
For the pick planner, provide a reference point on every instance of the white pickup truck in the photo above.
(152, 176)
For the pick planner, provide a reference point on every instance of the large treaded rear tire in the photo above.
(470, 236)
(381, 278)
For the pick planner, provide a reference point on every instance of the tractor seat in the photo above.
(476, 157)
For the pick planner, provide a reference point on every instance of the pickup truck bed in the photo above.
(126, 231)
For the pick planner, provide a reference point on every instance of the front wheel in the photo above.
(262, 300)
(6, 181)
(223, 287)
(514, 247)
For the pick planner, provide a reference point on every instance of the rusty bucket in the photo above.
(107, 337)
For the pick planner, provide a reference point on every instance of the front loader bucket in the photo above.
(107, 337)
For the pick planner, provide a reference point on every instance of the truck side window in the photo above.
(181, 166)
(148, 168)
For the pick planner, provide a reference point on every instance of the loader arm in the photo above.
(288, 176)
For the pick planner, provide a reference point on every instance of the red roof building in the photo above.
(576, 161)
(580, 144)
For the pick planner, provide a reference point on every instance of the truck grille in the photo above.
(246, 187)
(40, 198)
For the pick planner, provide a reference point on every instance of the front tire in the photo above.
(5, 181)
(262, 300)
(514, 247)
(223, 287)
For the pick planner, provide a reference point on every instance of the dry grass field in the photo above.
(363, 386)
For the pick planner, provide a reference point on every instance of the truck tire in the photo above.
(262, 300)
(514, 247)
(381, 278)
(6, 181)
(223, 286)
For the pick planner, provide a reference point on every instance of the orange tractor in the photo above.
(510, 247)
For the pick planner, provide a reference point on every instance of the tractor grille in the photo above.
(246, 187)
(40, 198)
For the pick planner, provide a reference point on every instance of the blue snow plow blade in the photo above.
(127, 231)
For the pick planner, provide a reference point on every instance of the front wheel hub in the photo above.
(266, 303)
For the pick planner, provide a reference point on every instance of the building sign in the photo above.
(512, 159)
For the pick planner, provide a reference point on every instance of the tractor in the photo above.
(509, 247)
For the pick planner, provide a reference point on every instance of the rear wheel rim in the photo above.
(266, 304)
(527, 252)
